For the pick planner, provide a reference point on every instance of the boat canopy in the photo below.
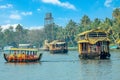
(93, 30)
(57, 42)
(93, 41)
(23, 49)
(83, 41)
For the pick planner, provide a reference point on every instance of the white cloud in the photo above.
(38, 9)
(26, 13)
(7, 26)
(6, 6)
(62, 4)
(15, 16)
(107, 3)
(34, 27)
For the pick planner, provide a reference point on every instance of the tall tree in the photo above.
(116, 23)
(1, 38)
(19, 33)
(35, 37)
(116, 13)
(71, 31)
(85, 22)
(96, 23)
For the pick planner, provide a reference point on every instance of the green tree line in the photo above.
(67, 33)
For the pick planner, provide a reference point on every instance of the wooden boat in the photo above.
(22, 55)
(118, 44)
(113, 47)
(93, 44)
(57, 46)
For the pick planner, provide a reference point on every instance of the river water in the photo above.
(62, 67)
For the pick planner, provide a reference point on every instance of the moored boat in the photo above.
(93, 44)
(57, 46)
(118, 44)
(22, 55)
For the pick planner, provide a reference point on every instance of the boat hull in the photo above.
(59, 51)
(95, 56)
(23, 60)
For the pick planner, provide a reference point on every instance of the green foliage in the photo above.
(56, 32)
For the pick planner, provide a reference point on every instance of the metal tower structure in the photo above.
(48, 26)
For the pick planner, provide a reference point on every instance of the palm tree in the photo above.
(96, 23)
(116, 23)
(116, 13)
(71, 29)
(85, 22)
(19, 33)
(19, 28)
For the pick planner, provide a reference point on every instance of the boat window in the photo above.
(82, 37)
(27, 52)
(35, 53)
(104, 46)
(16, 52)
(64, 45)
(31, 52)
(101, 34)
(53, 46)
(93, 48)
(92, 34)
(56, 45)
(97, 34)
(84, 46)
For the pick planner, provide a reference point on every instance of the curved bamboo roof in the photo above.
(57, 42)
(93, 41)
(93, 30)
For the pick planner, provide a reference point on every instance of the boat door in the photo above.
(104, 46)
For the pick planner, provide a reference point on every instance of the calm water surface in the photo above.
(62, 67)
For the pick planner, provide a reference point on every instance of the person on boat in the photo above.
(23, 56)
(27, 56)
(35, 55)
(15, 56)
(19, 57)
(31, 56)
(10, 57)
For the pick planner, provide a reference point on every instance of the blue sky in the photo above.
(31, 13)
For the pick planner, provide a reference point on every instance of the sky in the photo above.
(31, 13)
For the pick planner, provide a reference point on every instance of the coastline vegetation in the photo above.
(67, 33)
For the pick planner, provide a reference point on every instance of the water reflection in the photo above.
(96, 69)
(60, 61)
(23, 63)
(62, 67)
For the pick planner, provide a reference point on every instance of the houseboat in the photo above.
(118, 44)
(57, 46)
(93, 44)
(22, 55)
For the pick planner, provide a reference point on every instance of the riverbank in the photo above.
(72, 48)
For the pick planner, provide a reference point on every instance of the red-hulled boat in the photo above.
(22, 55)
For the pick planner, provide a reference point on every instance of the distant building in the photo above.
(48, 26)
(25, 46)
